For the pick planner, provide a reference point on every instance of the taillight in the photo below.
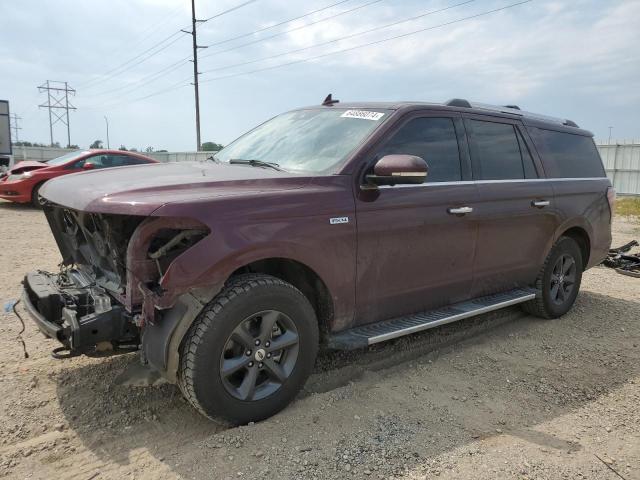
(611, 198)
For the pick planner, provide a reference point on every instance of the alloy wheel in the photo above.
(563, 279)
(259, 355)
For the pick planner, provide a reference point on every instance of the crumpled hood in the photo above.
(139, 190)
(25, 166)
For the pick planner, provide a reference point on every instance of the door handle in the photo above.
(459, 210)
(540, 203)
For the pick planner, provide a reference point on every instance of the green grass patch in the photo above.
(628, 206)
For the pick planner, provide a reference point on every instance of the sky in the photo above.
(127, 60)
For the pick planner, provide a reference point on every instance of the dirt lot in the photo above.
(501, 396)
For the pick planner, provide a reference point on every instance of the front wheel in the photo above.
(35, 196)
(558, 282)
(250, 350)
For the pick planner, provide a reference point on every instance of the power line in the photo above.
(260, 40)
(335, 40)
(224, 12)
(159, 47)
(395, 37)
(174, 66)
(148, 33)
(183, 83)
(269, 27)
(138, 84)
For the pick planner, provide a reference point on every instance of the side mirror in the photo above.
(397, 170)
(88, 166)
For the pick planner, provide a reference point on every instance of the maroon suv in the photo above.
(342, 225)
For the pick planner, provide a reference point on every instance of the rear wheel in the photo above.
(558, 282)
(250, 351)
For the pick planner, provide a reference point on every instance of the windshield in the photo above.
(305, 140)
(65, 158)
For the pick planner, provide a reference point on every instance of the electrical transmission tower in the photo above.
(58, 99)
(13, 122)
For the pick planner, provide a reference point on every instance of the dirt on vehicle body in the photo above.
(341, 225)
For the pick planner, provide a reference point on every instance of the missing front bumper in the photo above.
(79, 315)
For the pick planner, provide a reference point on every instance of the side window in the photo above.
(98, 161)
(75, 165)
(567, 155)
(432, 139)
(127, 160)
(495, 151)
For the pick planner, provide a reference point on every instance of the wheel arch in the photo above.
(581, 237)
(36, 187)
(162, 341)
(301, 276)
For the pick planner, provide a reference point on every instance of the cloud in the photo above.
(577, 58)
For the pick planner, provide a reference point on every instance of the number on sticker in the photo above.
(363, 114)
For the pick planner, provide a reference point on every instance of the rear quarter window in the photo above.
(565, 155)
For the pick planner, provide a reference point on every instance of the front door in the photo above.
(515, 211)
(414, 252)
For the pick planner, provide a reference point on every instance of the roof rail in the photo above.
(512, 109)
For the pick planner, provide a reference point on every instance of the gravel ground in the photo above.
(500, 396)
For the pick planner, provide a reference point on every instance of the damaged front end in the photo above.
(110, 281)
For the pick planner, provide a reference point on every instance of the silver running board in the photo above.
(372, 333)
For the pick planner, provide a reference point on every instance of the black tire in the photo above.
(246, 302)
(558, 282)
(34, 196)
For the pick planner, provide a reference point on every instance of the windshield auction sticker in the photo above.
(363, 114)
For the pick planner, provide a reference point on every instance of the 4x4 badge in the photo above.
(335, 220)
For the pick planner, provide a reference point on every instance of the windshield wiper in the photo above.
(255, 163)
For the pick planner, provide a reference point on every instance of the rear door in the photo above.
(515, 212)
(413, 254)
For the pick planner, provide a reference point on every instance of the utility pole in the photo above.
(193, 33)
(610, 128)
(58, 98)
(106, 120)
(13, 121)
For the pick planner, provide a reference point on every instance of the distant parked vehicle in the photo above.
(22, 183)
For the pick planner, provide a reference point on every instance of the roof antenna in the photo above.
(329, 101)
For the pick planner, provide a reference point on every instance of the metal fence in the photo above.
(621, 161)
(179, 156)
(38, 154)
(41, 154)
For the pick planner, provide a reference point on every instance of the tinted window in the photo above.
(98, 161)
(123, 160)
(495, 151)
(432, 139)
(566, 155)
(133, 161)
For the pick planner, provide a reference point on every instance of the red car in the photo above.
(22, 182)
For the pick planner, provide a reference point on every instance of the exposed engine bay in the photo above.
(96, 302)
